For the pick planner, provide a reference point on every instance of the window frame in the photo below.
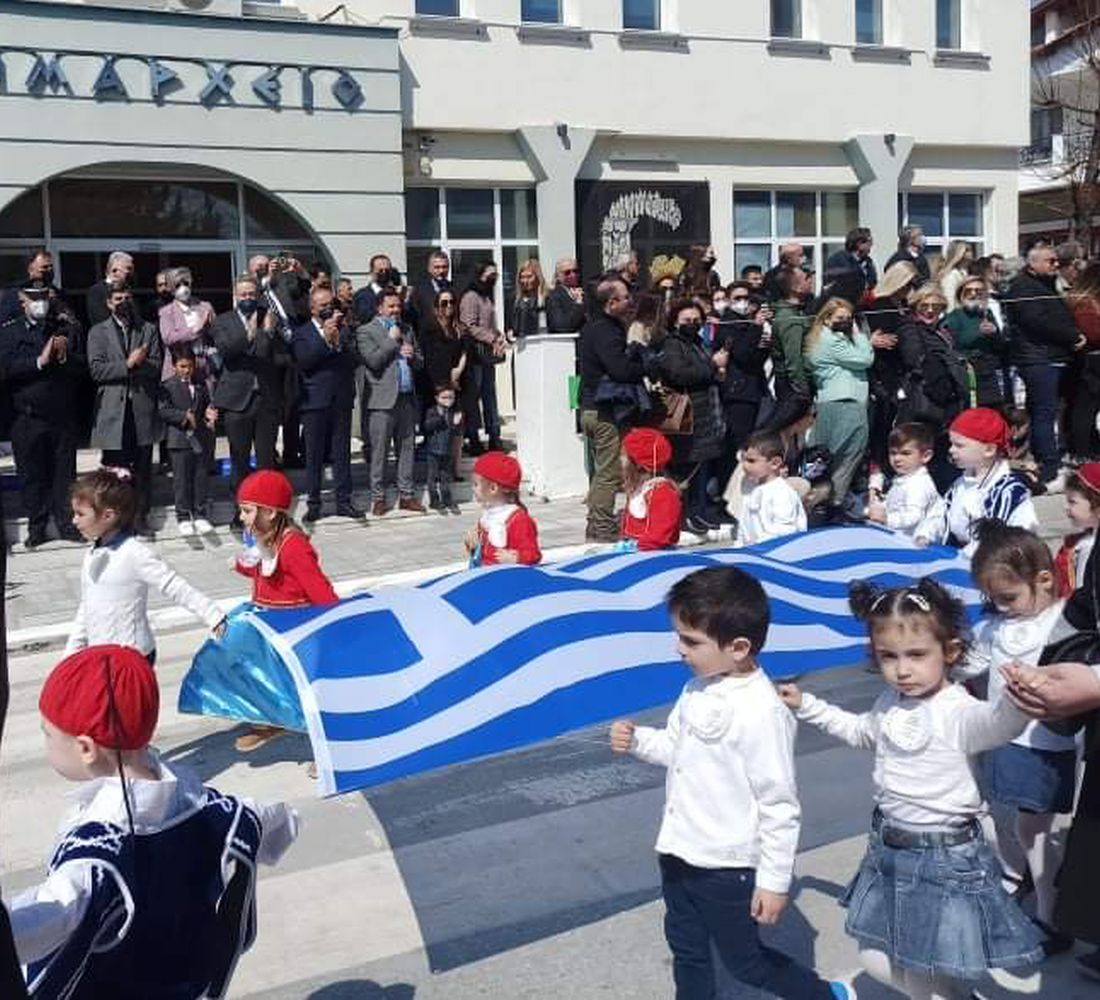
(795, 10)
(658, 17)
(954, 29)
(978, 242)
(456, 10)
(524, 19)
(876, 14)
(819, 241)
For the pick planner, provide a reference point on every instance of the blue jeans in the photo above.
(1044, 388)
(485, 379)
(710, 906)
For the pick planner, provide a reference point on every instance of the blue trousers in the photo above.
(707, 907)
(1044, 389)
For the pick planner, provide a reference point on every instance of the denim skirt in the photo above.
(1040, 780)
(939, 910)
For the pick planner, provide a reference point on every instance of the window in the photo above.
(540, 11)
(437, 8)
(764, 220)
(786, 18)
(948, 24)
(945, 216)
(868, 22)
(472, 225)
(642, 14)
(1038, 30)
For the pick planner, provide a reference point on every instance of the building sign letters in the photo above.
(47, 75)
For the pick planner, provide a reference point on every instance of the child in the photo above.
(987, 487)
(505, 532)
(913, 505)
(651, 518)
(927, 905)
(1035, 773)
(288, 573)
(442, 426)
(730, 830)
(151, 889)
(185, 408)
(771, 508)
(1083, 511)
(118, 570)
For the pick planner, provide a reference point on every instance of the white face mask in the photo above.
(721, 305)
(183, 293)
(740, 306)
(38, 309)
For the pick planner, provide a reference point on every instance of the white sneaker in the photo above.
(203, 526)
(1057, 484)
(186, 528)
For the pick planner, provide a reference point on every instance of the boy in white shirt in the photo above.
(732, 817)
(912, 506)
(771, 507)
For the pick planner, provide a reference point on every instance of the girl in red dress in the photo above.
(651, 519)
(505, 532)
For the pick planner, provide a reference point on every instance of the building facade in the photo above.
(504, 128)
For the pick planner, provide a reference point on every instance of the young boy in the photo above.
(185, 408)
(151, 889)
(771, 507)
(730, 827)
(912, 506)
(441, 426)
(1083, 511)
(987, 487)
(505, 532)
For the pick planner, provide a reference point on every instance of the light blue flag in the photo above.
(478, 662)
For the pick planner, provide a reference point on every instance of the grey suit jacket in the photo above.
(379, 352)
(117, 385)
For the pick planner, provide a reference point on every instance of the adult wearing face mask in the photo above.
(124, 359)
(981, 342)
(185, 320)
(249, 392)
(43, 364)
(911, 243)
(478, 316)
(565, 304)
(40, 274)
(935, 383)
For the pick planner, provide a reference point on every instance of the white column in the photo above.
(878, 161)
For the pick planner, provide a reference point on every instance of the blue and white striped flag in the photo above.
(413, 678)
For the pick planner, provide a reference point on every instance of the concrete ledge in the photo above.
(660, 41)
(805, 48)
(448, 27)
(957, 59)
(554, 34)
(881, 54)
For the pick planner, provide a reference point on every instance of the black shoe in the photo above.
(349, 509)
(313, 513)
(495, 444)
(455, 509)
(1054, 942)
(68, 533)
(1089, 965)
(698, 526)
(36, 538)
(474, 448)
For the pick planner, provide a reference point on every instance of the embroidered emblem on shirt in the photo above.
(707, 715)
(908, 728)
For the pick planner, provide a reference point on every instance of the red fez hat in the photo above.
(500, 469)
(982, 424)
(1089, 474)
(647, 448)
(267, 488)
(109, 693)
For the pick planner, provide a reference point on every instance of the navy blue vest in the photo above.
(170, 912)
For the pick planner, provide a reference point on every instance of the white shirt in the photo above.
(114, 594)
(1000, 639)
(42, 918)
(770, 510)
(914, 506)
(494, 521)
(924, 748)
(730, 795)
(967, 503)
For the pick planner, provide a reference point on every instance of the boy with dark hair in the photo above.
(771, 507)
(912, 505)
(730, 829)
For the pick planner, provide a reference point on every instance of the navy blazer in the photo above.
(326, 375)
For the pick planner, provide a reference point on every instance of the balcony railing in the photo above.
(1057, 150)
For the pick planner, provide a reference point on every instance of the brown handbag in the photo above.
(673, 415)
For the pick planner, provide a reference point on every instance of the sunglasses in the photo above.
(571, 270)
(446, 302)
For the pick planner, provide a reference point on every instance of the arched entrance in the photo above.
(165, 216)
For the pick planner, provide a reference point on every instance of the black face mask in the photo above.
(124, 311)
(165, 296)
(688, 329)
(46, 277)
(841, 326)
(246, 307)
(326, 314)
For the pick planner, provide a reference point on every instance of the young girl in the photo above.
(505, 532)
(987, 487)
(651, 518)
(288, 573)
(1034, 774)
(119, 570)
(927, 905)
(1083, 511)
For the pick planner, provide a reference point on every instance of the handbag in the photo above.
(673, 413)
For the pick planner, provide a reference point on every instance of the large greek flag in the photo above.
(413, 678)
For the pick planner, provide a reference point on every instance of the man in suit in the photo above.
(40, 274)
(423, 293)
(120, 270)
(249, 393)
(124, 359)
(324, 350)
(366, 299)
(391, 356)
(43, 364)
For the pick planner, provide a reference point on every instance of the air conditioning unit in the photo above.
(220, 8)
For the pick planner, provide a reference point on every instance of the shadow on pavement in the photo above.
(363, 989)
(214, 753)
